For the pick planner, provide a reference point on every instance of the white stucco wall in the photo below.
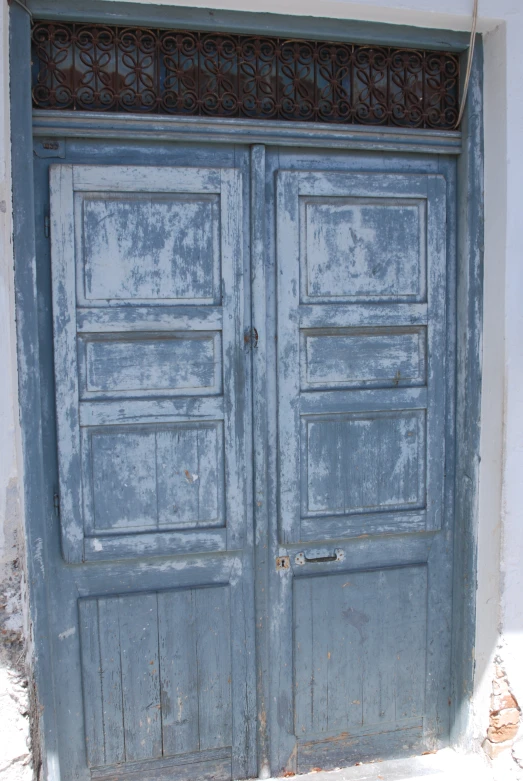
(14, 722)
(500, 540)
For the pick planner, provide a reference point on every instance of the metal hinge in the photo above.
(251, 337)
(47, 226)
(56, 505)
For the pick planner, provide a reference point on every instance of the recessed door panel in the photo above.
(166, 687)
(359, 647)
(362, 357)
(148, 247)
(362, 249)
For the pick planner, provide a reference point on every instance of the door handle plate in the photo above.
(301, 558)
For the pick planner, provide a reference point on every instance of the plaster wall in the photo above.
(500, 531)
(15, 758)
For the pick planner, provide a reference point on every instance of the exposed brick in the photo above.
(500, 686)
(500, 702)
(505, 718)
(502, 734)
(494, 750)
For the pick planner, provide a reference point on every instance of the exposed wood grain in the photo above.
(134, 546)
(371, 608)
(352, 358)
(142, 178)
(149, 318)
(150, 364)
(396, 741)
(66, 371)
(179, 671)
(160, 670)
(92, 680)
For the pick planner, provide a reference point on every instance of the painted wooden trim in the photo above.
(470, 257)
(117, 546)
(291, 26)
(315, 315)
(38, 511)
(436, 338)
(231, 212)
(149, 318)
(175, 410)
(158, 767)
(260, 447)
(66, 359)
(288, 373)
(75, 124)
(116, 178)
(341, 527)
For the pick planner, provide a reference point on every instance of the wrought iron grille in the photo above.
(122, 69)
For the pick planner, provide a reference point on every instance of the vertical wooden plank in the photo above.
(233, 346)
(390, 583)
(65, 356)
(288, 281)
(354, 634)
(469, 348)
(303, 656)
(321, 648)
(260, 445)
(177, 618)
(178, 474)
(243, 680)
(209, 458)
(339, 667)
(410, 646)
(92, 682)
(381, 597)
(123, 477)
(111, 671)
(140, 676)
(214, 667)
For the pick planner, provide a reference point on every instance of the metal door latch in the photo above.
(302, 559)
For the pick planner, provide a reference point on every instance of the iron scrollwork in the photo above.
(120, 69)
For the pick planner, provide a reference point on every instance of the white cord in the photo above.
(469, 62)
(19, 2)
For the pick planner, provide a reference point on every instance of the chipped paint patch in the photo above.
(68, 633)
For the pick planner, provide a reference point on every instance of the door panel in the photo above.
(166, 687)
(148, 305)
(359, 650)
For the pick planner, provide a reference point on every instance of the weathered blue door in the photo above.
(360, 638)
(147, 273)
(169, 666)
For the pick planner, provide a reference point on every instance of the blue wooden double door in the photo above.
(250, 439)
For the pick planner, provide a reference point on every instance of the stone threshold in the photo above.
(445, 765)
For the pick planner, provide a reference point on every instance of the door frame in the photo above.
(39, 510)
